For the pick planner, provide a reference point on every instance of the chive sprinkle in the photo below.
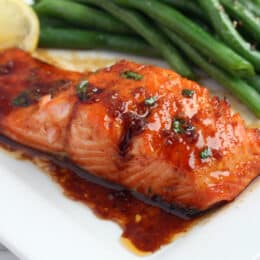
(177, 126)
(205, 153)
(82, 90)
(22, 100)
(150, 101)
(131, 75)
(188, 93)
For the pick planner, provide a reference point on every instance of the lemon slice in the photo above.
(19, 25)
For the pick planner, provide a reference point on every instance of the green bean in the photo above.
(149, 32)
(46, 21)
(222, 55)
(83, 39)
(81, 15)
(192, 10)
(257, 2)
(36, 2)
(186, 6)
(238, 87)
(228, 33)
(250, 22)
(255, 82)
(251, 6)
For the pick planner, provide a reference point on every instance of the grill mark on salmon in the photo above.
(181, 151)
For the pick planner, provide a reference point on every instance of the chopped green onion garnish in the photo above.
(22, 100)
(181, 126)
(82, 89)
(131, 75)
(188, 93)
(206, 153)
(150, 101)
(177, 125)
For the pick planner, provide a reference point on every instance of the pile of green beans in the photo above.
(81, 39)
(80, 15)
(218, 36)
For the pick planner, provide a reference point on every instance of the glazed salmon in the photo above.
(142, 127)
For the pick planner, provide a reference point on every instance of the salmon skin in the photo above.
(144, 128)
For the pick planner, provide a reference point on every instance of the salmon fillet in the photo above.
(142, 127)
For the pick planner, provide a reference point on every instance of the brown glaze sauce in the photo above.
(145, 228)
